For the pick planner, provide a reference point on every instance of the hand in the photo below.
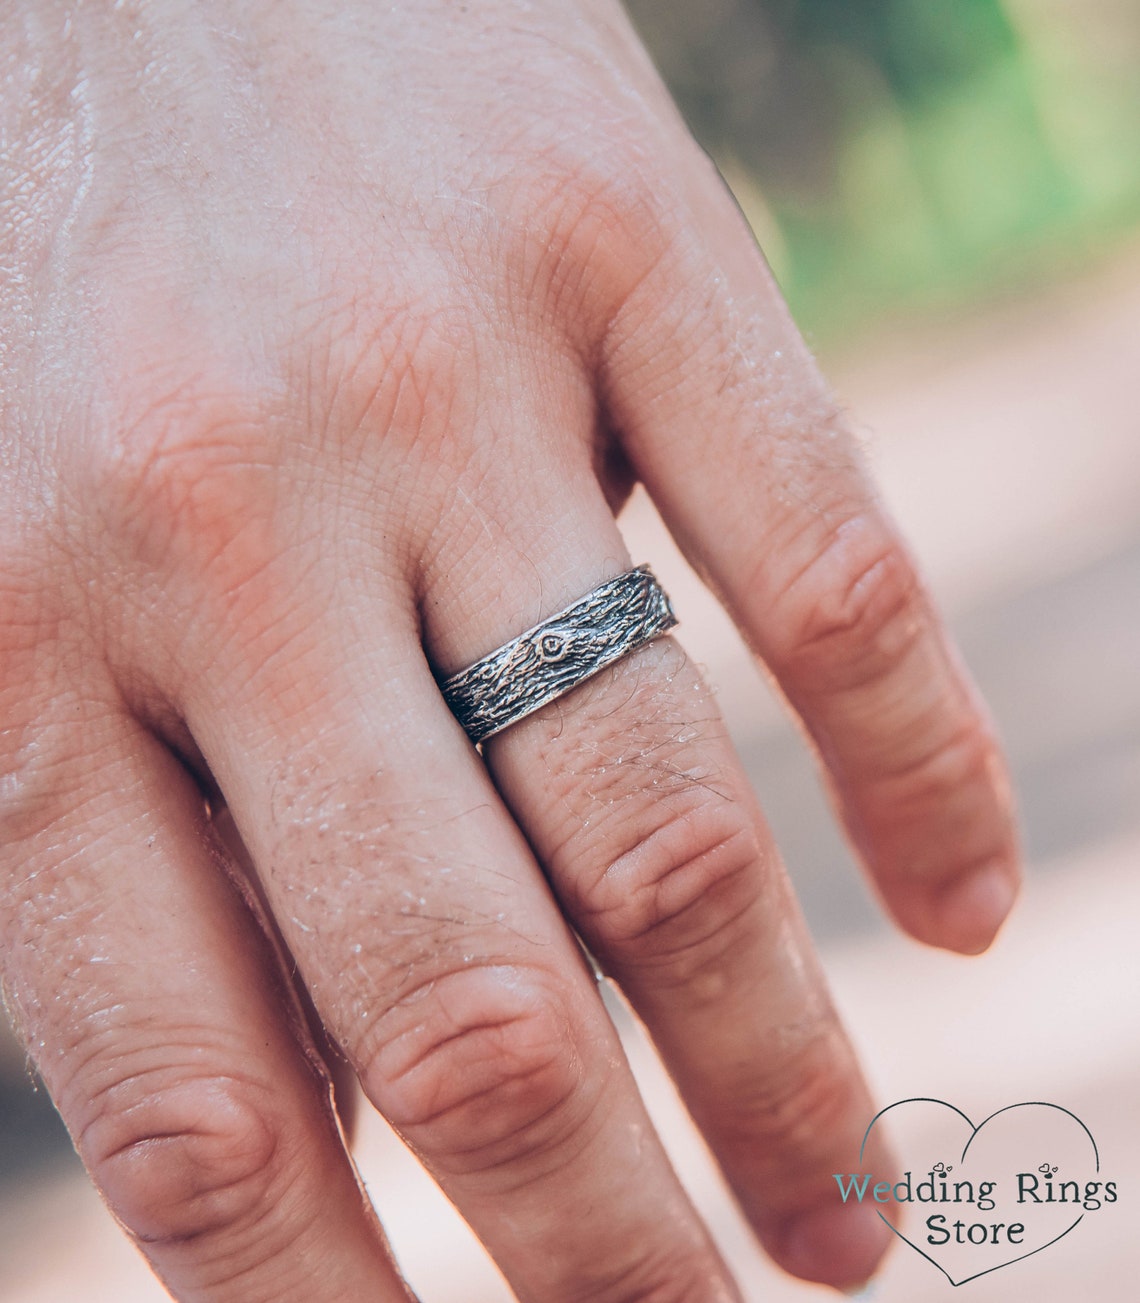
(332, 336)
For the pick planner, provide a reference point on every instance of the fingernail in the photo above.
(971, 911)
(834, 1245)
(865, 1291)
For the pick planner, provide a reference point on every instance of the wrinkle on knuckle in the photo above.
(850, 616)
(181, 1155)
(673, 890)
(669, 860)
(482, 1067)
(805, 1096)
(677, 1269)
(388, 370)
(188, 481)
(604, 224)
(958, 782)
(967, 754)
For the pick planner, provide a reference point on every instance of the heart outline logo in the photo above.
(974, 1131)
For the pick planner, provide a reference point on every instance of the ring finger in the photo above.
(429, 943)
(635, 803)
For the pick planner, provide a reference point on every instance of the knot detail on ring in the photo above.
(552, 647)
(549, 660)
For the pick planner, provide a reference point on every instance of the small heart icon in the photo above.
(974, 1198)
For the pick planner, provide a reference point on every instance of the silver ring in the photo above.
(555, 656)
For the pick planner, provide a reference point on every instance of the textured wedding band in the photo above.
(549, 660)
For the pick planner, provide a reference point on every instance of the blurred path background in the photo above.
(950, 198)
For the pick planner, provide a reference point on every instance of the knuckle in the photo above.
(966, 755)
(683, 1271)
(185, 477)
(605, 223)
(180, 1158)
(958, 783)
(662, 858)
(613, 204)
(482, 1066)
(807, 1095)
(387, 367)
(850, 616)
(672, 890)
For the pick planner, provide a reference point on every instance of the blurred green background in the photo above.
(896, 156)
